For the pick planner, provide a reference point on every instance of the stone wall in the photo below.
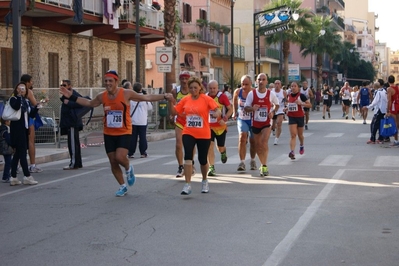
(80, 56)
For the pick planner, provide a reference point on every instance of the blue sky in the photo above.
(388, 21)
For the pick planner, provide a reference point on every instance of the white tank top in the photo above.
(281, 100)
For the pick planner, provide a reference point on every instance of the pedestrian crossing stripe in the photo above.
(386, 161)
(334, 135)
(336, 160)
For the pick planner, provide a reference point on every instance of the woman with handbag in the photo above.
(19, 133)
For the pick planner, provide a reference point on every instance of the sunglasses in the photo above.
(63, 85)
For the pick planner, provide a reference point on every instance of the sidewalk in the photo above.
(48, 153)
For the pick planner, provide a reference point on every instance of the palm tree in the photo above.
(321, 39)
(292, 35)
(348, 57)
(170, 32)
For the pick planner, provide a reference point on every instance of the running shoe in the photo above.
(353, 118)
(205, 186)
(364, 122)
(395, 143)
(35, 169)
(253, 165)
(145, 155)
(28, 180)
(274, 132)
(306, 127)
(276, 141)
(121, 191)
(211, 171)
(223, 157)
(186, 189)
(241, 167)
(291, 155)
(346, 117)
(324, 117)
(329, 115)
(130, 156)
(370, 142)
(131, 179)
(379, 142)
(14, 181)
(180, 171)
(301, 150)
(263, 171)
(343, 115)
(5, 180)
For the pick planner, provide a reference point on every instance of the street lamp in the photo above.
(232, 46)
(321, 33)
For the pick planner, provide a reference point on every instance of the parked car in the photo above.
(45, 133)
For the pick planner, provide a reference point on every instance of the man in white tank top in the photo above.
(279, 115)
(305, 90)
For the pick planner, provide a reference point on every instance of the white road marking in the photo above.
(283, 248)
(364, 135)
(386, 161)
(336, 160)
(334, 135)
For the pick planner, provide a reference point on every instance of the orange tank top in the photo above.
(117, 120)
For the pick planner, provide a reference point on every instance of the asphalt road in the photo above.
(335, 205)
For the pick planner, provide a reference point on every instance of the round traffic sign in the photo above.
(164, 58)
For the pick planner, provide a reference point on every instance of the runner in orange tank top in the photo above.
(117, 123)
(196, 132)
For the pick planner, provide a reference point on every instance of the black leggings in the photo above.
(189, 143)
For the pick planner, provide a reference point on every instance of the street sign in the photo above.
(164, 55)
(272, 31)
(164, 68)
(294, 72)
(339, 76)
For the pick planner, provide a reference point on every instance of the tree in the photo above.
(292, 35)
(170, 32)
(348, 57)
(318, 43)
(364, 70)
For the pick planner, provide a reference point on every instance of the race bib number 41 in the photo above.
(114, 119)
(194, 121)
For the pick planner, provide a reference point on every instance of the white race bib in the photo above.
(114, 119)
(244, 115)
(292, 107)
(325, 97)
(194, 121)
(211, 118)
(261, 114)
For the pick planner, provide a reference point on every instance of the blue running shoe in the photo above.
(131, 179)
(121, 192)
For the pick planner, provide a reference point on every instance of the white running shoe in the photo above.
(275, 141)
(28, 180)
(14, 181)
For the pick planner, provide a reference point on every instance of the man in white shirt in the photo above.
(139, 115)
(379, 104)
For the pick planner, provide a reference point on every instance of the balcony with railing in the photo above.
(273, 53)
(337, 4)
(59, 16)
(338, 21)
(202, 36)
(225, 51)
(323, 10)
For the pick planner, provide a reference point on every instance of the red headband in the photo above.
(111, 75)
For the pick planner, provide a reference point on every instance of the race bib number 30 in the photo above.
(261, 115)
(292, 107)
(194, 121)
(114, 119)
(211, 118)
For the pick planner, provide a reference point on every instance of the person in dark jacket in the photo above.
(5, 149)
(19, 133)
(70, 125)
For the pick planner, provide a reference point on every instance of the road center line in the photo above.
(282, 249)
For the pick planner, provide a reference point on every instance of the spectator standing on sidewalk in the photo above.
(117, 123)
(263, 104)
(196, 108)
(218, 125)
(139, 114)
(19, 131)
(70, 125)
(379, 105)
(33, 168)
(6, 149)
(393, 104)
